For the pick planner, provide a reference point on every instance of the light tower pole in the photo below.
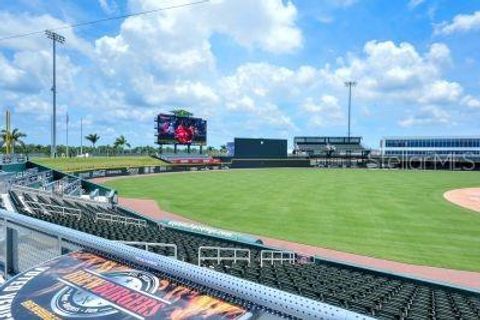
(81, 137)
(66, 133)
(349, 84)
(55, 37)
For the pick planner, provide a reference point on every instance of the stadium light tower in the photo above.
(55, 37)
(349, 84)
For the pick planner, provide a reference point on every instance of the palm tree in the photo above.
(121, 143)
(93, 138)
(10, 139)
(181, 113)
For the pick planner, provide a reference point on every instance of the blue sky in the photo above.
(253, 68)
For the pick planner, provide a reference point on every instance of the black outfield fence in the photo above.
(269, 163)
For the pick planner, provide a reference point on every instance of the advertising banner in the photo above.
(124, 171)
(82, 285)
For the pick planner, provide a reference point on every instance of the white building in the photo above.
(441, 147)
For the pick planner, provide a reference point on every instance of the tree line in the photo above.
(12, 141)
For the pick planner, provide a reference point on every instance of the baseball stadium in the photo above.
(311, 226)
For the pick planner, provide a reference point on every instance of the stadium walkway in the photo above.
(454, 277)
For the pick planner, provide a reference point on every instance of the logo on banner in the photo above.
(90, 295)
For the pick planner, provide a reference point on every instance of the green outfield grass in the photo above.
(92, 163)
(397, 215)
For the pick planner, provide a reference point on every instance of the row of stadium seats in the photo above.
(363, 291)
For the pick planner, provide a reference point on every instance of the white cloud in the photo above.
(325, 112)
(343, 3)
(109, 7)
(31, 72)
(460, 23)
(427, 115)
(439, 54)
(415, 3)
(26, 77)
(326, 19)
(441, 91)
(394, 73)
(261, 88)
(399, 75)
(25, 23)
(166, 58)
(388, 74)
(269, 25)
(471, 102)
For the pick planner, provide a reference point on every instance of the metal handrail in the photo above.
(148, 245)
(24, 178)
(77, 214)
(15, 187)
(115, 218)
(290, 256)
(218, 256)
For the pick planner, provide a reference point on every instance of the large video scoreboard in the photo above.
(172, 129)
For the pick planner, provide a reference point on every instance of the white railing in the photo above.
(64, 186)
(50, 209)
(114, 218)
(30, 177)
(50, 194)
(12, 158)
(276, 255)
(218, 254)
(147, 245)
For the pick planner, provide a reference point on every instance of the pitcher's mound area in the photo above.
(468, 198)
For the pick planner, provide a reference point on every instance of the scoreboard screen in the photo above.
(181, 130)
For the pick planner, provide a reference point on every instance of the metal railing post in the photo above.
(5, 272)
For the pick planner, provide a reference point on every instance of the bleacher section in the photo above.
(330, 146)
(187, 158)
(67, 185)
(372, 293)
(12, 158)
(32, 177)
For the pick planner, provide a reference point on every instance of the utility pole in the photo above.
(349, 84)
(66, 125)
(81, 137)
(55, 37)
(8, 132)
